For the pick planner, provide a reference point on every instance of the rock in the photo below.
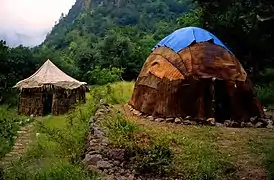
(97, 132)
(270, 126)
(93, 152)
(116, 154)
(97, 114)
(227, 123)
(219, 125)
(235, 124)
(93, 168)
(170, 120)
(187, 118)
(131, 177)
(150, 118)
(249, 124)
(92, 159)
(103, 165)
(116, 163)
(243, 124)
(187, 122)
(111, 177)
(259, 125)
(254, 120)
(178, 121)
(159, 119)
(211, 120)
(268, 117)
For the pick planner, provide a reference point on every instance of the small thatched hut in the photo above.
(192, 73)
(49, 90)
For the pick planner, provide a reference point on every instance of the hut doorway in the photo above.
(222, 101)
(47, 103)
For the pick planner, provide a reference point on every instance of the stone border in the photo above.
(255, 122)
(99, 157)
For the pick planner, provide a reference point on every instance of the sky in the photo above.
(27, 22)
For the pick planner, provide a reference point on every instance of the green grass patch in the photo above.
(10, 123)
(57, 151)
(262, 146)
(191, 155)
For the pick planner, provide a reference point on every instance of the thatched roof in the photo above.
(49, 74)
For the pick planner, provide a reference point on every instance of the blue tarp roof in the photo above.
(183, 37)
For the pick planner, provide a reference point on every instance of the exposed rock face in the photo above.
(255, 122)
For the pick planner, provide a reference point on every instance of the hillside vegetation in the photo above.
(190, 152)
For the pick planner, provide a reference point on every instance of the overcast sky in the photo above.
(28, 21)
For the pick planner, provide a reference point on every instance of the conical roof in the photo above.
(49, 74)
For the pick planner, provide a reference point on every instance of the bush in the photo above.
(266, 94)
(101, 76)
(58, 150)
(8, 129)
(151, 155)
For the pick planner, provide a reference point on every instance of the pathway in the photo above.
(24, 137)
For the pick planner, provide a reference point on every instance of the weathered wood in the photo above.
(163, 90)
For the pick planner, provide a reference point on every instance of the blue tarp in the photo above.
(183, 37)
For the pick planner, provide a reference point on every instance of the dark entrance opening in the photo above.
(47, 103)
(223, 109)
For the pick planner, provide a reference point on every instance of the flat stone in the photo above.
(93, 168)
(171, 120)
(151, 118)
(130, 177)
(211, 120)
(159, 119)
(219, 125)
(116, 154)
(178, 121)
(97, 131)
(268, 117)
(235, 124)
(227, 123)
(259, 125)
(254, 119)
(187, 122)
(249, 124)
(187, 118)
(104, 164)
(92, 159)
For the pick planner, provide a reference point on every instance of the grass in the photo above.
(9, 124)
(193, 152)
(56, 153)
(190, 152)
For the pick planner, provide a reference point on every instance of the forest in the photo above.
(116, 36)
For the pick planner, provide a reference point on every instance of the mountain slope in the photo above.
(111, 33)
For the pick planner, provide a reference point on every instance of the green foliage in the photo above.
(57, 171)
(266, 94)
(58, 149)
(244, 27)
(103, 76)
(108, 34)
(154, 157)
(9, 124)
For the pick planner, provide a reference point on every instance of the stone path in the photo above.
(24, 137)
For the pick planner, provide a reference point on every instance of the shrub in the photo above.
(8, 129)
(151, 155)
(266, 94)
(103, 76)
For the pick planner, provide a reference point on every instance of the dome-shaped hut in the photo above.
(192, 73)
(49, 90)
